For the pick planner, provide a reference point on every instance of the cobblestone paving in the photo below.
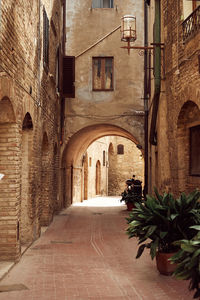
(85, 254)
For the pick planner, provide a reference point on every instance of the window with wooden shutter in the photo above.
(68, 76)
(102, 73)
(45, 40)
(102, 3)
(195, 150)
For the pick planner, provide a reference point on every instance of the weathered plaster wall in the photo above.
(84, 27)
(121, 108)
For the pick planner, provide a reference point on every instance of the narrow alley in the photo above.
(85, 254)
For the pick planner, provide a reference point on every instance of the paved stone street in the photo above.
(85, 254)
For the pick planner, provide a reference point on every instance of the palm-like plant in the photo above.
(188, 262)
(162, 219)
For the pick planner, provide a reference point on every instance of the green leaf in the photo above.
(197, 227)
(163, 234)
(196, 253)
(177, 256)
(150, 231)
(188, 248)
(153, 248)
(134, 223)
(173, 216)
(159, 197)
(140, 250)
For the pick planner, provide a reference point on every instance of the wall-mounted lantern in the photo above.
(128, 28)
(129, 34)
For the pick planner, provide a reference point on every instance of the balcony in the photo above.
(191, 25)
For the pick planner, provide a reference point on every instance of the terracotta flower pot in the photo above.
(164, 266)
(130, 206)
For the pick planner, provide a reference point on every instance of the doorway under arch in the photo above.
(73, 153)
(27, 206)
(85, 168)
(188, 120)
(98, 178)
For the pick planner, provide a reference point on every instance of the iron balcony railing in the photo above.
(191, 25)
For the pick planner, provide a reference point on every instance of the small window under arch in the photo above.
(120, 149)
(27, 123)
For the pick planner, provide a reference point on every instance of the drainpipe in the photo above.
(145, 101)
(157, 72)
(38, 54)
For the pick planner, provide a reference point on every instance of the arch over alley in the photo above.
(72, 158)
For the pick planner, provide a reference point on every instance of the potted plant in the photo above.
(132, 194)
(188, 261)
(163, 220)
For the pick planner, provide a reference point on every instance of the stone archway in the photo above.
(72, 166)
(98, 178)
(27, 207)
(188, 118)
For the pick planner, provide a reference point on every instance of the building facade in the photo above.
(174, 116)
(107, 95)
(31, 46)
(108, 163)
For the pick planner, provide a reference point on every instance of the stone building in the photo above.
(31, 47)
(174, 156)
(106, 96)
(108, 163)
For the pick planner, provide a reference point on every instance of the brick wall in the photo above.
(29, 89)
(180, 89)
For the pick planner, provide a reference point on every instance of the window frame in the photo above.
(120, 149)
(102, 89)
(104, 158)
(101, 4)
(45, 40)
(191, 149)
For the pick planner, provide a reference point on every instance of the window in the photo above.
(189, 7)
(104, 158)
(120, 149)
(102, 3)
(68, 76)
(90, 162)
(45, 40)
(102, 73)
(195, 150)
